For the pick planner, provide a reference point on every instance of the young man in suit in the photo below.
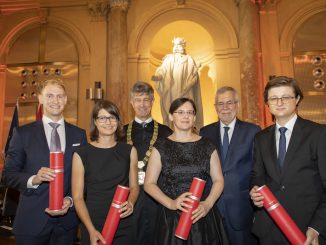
(27, 170)
(142, 132)
(290, 157)
(234, 141)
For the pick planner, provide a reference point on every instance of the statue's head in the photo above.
(179, 45)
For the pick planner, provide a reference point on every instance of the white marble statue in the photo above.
(178, 77)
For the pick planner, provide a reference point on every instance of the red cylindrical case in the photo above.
(281, 217)
(185, 222)
(113, 217)
(56, 186)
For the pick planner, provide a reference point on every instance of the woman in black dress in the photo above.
(177, 159)
(98, 168)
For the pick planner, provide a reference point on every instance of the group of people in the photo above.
(158, 165)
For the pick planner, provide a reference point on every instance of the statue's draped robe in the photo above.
(178, 77)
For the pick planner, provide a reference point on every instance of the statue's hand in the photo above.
(156, 78)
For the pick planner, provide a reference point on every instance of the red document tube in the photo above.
(56, 186)
(281, 217)
(185, 222)
(113, 218)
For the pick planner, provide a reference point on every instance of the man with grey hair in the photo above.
(234, 141)
(142, 132)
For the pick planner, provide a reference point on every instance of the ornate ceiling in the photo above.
(13, 6)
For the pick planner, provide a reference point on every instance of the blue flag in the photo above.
(14, 124)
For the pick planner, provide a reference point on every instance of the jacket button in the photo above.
(283, 188)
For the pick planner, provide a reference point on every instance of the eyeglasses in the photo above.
(227, 104)
(182, 113)
(144, 100)
(283, 99)
(103, 119)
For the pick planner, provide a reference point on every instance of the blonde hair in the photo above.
(52, 81)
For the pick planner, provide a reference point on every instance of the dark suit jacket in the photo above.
(236, 171)
(301, 185)
(28, 152)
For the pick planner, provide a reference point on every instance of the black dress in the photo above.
(180, 163)
(105, 168)
(146, 207)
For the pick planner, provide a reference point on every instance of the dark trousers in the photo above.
(53, 233)
(236, 237)
(145, 218)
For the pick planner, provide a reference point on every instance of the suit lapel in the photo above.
(294, 143)
(42, 144)
(218, 139)
(271, 155)
(233, 143)
(40, 135)
(68, 139)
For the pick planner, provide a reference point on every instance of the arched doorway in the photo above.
(211, 41)
(55, 46)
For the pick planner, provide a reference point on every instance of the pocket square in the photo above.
(76, 144)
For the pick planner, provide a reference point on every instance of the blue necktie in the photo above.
(225, 143)
(55, 144)
(281, 147)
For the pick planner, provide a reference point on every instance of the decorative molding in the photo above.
(3, 68)
(122, 4)
(258, 2)
(98, 10)
(44, 13)
(206, 9)
(181, 2)
(266, 5)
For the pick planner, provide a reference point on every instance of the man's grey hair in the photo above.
(140, 88)
(225, 89)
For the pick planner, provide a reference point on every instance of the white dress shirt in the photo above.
(289, 125)
(48, 130)
(148, 120)
(231, 129)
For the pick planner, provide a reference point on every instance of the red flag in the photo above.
(39, 112)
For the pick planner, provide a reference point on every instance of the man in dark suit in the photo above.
(27, 170)
(290, 158)
(142, 132)
(234, 141)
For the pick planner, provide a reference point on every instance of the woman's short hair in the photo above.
(111, 108)
(179, 102)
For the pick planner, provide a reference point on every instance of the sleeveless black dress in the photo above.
(180, 163)
(105, 168)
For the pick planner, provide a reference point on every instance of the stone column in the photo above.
(270, 46)
(98, 11)
(117, 79)
(96, 68)
(250, 63)
(3, 70)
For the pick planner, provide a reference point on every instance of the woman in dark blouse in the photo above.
(97, 170)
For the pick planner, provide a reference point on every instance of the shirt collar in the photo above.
(148, 120)
(289, 125)
(231, 124)
(47, 120)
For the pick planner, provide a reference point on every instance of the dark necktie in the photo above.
(225, 143)
(55, 145)
(281, 147)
